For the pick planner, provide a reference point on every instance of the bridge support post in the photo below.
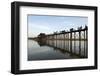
(79, 42)
(71, 41)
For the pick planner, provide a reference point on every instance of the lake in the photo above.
(57, 49)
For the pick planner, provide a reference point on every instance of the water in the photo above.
(56, 49)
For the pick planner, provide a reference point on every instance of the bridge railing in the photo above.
(79, 34)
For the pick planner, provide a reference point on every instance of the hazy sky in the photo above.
(48, 24)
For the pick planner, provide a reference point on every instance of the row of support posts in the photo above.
(72, 40)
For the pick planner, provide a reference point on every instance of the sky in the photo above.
(48, 24)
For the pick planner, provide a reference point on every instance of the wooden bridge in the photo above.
(79, 34)
(69, 41)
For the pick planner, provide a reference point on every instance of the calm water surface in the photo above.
(56, 49)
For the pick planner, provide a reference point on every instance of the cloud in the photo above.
(38, 26)
(35, 28)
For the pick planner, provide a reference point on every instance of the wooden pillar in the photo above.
(86, 43)
(47, 39)
(80, 42)
(74, 42)
(64, 40)
(64, 36)
(70, 41)
(56, 40)
(61, 40)
(53, 38)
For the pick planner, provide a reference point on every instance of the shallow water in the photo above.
(56, 49)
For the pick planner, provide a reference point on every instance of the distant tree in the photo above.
(42, 35)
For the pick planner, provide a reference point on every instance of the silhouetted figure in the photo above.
(86, 27)
(80, 28)
(71, 29)
(63, 31)
(54, 33)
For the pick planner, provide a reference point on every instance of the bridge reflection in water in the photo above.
(56, 49)
(64, 45)
(75, 48)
